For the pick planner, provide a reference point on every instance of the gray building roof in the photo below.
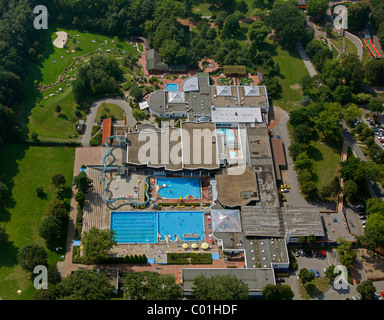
(275, 222)
(256, 279)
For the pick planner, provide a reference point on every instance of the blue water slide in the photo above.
(106, 185)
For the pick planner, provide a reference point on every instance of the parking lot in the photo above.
(310, 261)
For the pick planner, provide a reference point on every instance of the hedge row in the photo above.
(189, 258)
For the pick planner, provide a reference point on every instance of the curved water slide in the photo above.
(106, 184)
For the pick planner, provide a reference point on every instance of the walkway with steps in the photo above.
(94, 214)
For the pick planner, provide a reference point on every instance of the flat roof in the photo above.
(235, 190)
(192, 146)
(236, 114)
(107, 128)
(275, 222)
(239, 96)
(199, 147)
(278, 156)
(256, 279)
(262, 252)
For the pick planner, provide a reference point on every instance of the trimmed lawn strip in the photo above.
(24, 169)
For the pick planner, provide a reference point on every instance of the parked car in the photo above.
(382, 294)
(312, 272)
(284, 190)
(297, 253)
(378, 296)
(324, 271)
(362, 217)
(361, 206)
(317, 274)
(280, 280)
(323, 253)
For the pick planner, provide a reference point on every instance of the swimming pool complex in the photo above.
(174, 188)
(147, 226)
(172, 87)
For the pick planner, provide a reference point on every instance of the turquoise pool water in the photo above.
(174, 188)
(172, 87)
(145, 226)
(188, 225)
(134, 227)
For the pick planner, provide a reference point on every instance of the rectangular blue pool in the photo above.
(147, 226)
(172, 87)
(134, 227)
(185, 225)
(174, 188)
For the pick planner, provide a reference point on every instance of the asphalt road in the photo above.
(92, 115)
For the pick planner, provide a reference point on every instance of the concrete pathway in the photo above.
(307, 62)
(89, 123)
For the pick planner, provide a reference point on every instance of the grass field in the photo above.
(23, 169)
(38, 108)
(292, 70)
(326, 161)
(110, 110)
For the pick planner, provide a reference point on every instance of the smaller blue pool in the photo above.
(172, 87)
(174, 188)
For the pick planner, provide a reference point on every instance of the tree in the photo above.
(58, 180)
(54, 207)
(139, 115)
(136, 92)
(151, 286)
(257, 31)
(302, 133)
(353, 71)
(96, 244)
(80, 198)
(288, 23)
(52, 229)
(310, 190)
(231, 26)
(82, 182)
(376, 106)
(367, 290)
(327, 122)
(330, 273)
(311, 239)
(374, 71)
(373, 236)
(32, 255)
(342, 94)
(306, 276)
(303, 161)
(84, 285)
(346, 253)
(358, 15)
(218, 287)
(316, 9)
(352, 112)
(295, 149)
(278, 292)
(3, 193)
(351, 190)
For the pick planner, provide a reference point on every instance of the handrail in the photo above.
(106, 185)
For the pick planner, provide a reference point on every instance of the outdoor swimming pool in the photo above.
(188, 225)
(134, 227)
(174, 188)
(172, 87)
(145, 226)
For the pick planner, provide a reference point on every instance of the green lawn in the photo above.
(43, 119)
(23, 169)
(326, 161)
(351, 48)
(110, 110)
(292, 70)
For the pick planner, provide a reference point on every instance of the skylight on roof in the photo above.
(176, 97)
(251, 91)
(223, 90)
